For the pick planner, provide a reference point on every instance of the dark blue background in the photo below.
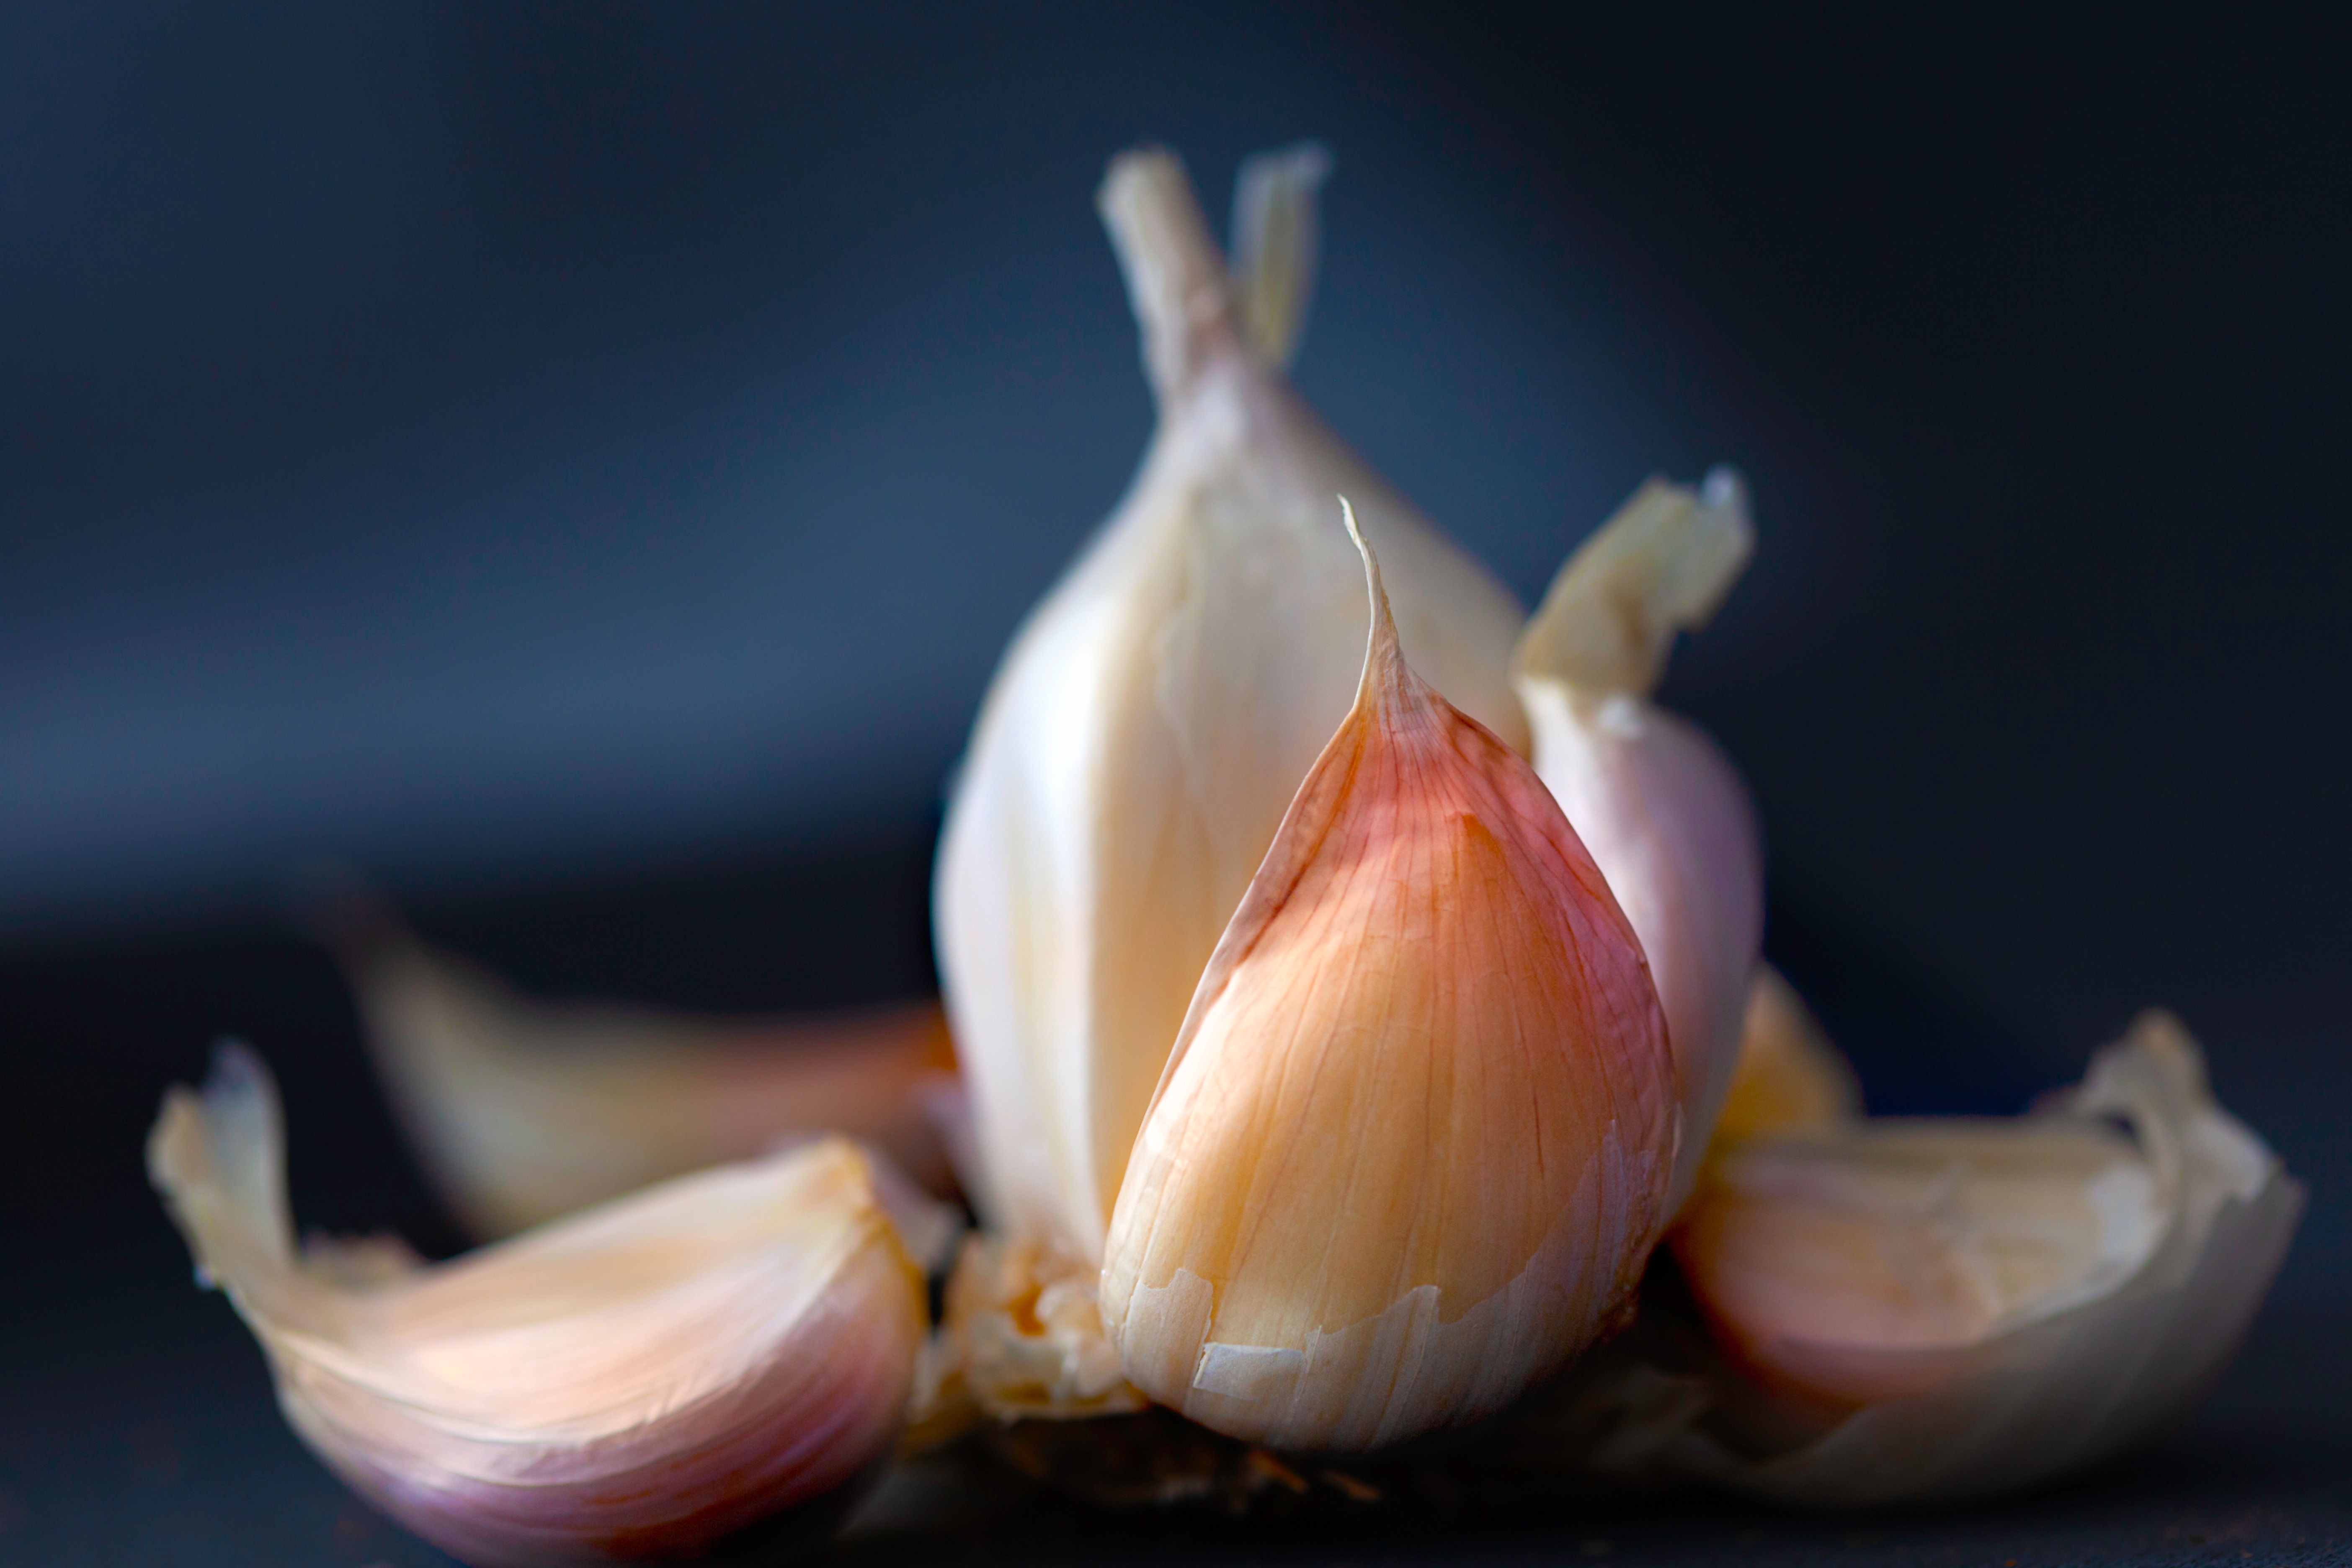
(580, 464)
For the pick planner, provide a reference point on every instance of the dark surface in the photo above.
(580, 463)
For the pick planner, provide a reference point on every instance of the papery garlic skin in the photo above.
(1947, 1309)
(1412, 1149)
(524, 1110)
(1655, 800)
(639, 1381)
(1154, 715)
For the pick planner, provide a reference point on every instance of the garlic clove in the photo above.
(637, 1381)
(1933, 1310)
(1153, 717)
(1788, 1075)
(1411, 1148)
(1656, 802)
(524, 1110)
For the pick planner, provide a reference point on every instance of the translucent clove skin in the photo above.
(637, 1382)
(1412, 1146)
(1153, 717)
(525, 1110)
(1935, 1310)
(1655, 801)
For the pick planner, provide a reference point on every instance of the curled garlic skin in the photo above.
(1944, 1309)
(1656, 802)
(1152, 719)
(524, 1110)
(1411, 1148)
(639, 1381)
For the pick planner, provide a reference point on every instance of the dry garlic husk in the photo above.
(1656, 802)
(1944, 1309)
(1153, 717)
(638, 1380)
(1412, 1149)
(525, 1110)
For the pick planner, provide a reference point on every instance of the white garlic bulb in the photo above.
(1154, 715)
(1656, 802)
(1940, 1309)
(640, 1380)
(1412, 1150)
(524, 1110)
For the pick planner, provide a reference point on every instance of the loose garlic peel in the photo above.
(525, 1110)
(1152, 719)
(1949, 1309)
(638, 1380)
(1656, 802)
(1411, 1147)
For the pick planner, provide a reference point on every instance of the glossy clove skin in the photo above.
(639, 1382)
(1412, 1149)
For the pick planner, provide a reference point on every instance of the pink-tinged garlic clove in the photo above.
(639, 1381)
(1412, 1149)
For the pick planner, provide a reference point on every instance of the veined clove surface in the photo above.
(1940, 1309)
(524, 1110)
(1655, 801)
(1153, 717)
(1412, 1150)
(639, 1381)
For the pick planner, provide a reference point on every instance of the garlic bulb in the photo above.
(1942, 1308)
(524, 1110)
(1657, 804)
(637, 1381)
(1153, 717)
(1412, 1149)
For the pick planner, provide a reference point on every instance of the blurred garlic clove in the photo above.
(524, 1110)
(1656, 802)
(1934, 1309)
(1788, 1077)
(639, 1381)
(1153, 717)
(1412, 1149)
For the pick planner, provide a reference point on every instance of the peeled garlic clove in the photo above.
(1656, 802)
(1934, 1309)
(1411, 1148)
(525, 1110)
(1153, 717)
(638, 1380)
(1788, 1075)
